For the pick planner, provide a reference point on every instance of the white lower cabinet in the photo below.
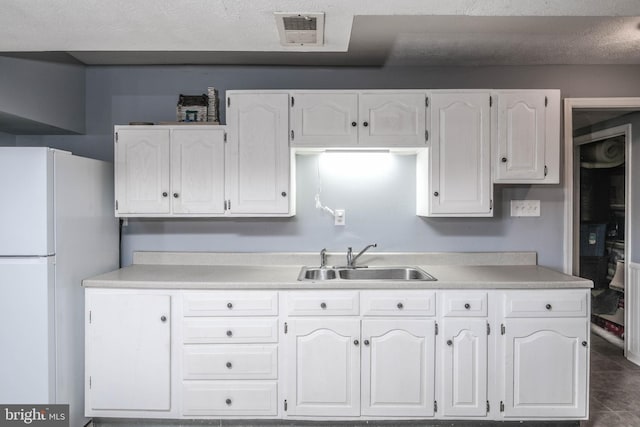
(338, 354)
(128, 353)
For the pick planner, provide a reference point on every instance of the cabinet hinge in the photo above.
(426, 135)
(435, 406)
(426, 102)
(546, 101)
(285, 405)
(116, 136)
(225, 137)
(116, 205)
(488, 407)
(501, 406)
(436, 329)
(225, 205)
(90, 314)
(229, 102)
(490, 204)
(229, 204)
(89, 381)
(286, 329)
(488, 329)
(546, 170)
(503, 330)
(293, 101)
(491, 101)
(292, 134)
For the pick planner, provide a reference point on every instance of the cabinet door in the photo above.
(521, 136)
(128, 352)
(323, 372)
(398, 367)
(257, 155)
(197, 171)
(460, 164)
(546, 368)
(328, 119)
(142, 171)
(392, 119)
(464, 377)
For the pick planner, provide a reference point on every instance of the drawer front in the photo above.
(222, 398)
(230, 330)
(464, 304)
(545, 303)
(400, 303)
(230, 362)
(223, 303)
(329, 303)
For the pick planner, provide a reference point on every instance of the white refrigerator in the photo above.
(57, 227)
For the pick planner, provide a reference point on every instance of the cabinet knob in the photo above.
(503, 160)
(356, 342)
(175, 195)
(354, 124)
(584, 343)
(366, 342)
(229, 305)
(229, 333)
(548, 306)
(283, 194)
(229, 365)
(400, 306)
(449, 342)
(323, 305)
(365, 124)
(163, 318)
(228, 402)
(435, 193)
(165, 194)
(467, 306)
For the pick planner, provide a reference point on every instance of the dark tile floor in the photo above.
(615, 387)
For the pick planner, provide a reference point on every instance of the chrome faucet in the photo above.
(323, 258)
(351, 260)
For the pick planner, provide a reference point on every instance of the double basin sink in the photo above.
(364, 273)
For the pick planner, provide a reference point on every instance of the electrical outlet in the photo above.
(525, 208)
(338, 216)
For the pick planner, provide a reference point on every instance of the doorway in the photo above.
(599, 206)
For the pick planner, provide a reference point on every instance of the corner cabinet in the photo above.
(128, 354)
(526, 146)
(358, 119)
(454, 175)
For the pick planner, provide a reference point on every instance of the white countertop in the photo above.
(237, 276)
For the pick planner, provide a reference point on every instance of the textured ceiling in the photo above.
(357, 32)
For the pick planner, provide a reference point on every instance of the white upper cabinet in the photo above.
(142, 171)
(257, 155)
(358, 119)
(164, 171)
(454, 177)
(527, 137)
(327, 119)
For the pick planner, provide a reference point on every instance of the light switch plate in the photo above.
(339, 217)
(525, 208)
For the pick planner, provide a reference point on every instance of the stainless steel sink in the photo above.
(365, 273)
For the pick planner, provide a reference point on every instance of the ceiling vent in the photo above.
(300, 29)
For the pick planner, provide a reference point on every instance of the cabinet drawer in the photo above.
(464, 304)
(222, 303)
(546, 304)
(401, 303)
(323, 303)
(222, 398)
(231, 362)
(230, 330)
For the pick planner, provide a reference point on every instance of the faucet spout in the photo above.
(323, 258)
(351, 260)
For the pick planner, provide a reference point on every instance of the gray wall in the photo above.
(381, 212)
(49, 94)
(7, 140)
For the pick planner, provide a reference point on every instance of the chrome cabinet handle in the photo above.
(229, 333)
(228, 402)
(467, 306)
(229, 365)
(365, 124)
(356, 342)
(165, 194)
(175, 195)
(548, 306)
(323, 305)
(163, 318)
(366, 342)
(229, 305)
(503, 160)
(449, 342)
(400, 306)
